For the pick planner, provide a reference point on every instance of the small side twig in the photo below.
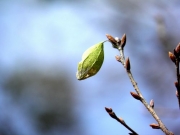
(120, 120)
(126, 64)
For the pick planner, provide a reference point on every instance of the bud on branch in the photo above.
(112, 40)
(177, 50)
(152, 103)
(123, 41)
(127, 64)
(136, 96)
(172, 57)
(155, 126)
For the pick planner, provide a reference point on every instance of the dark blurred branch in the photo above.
(178, 80)
(175, 59)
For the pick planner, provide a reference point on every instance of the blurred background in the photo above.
(41, 42)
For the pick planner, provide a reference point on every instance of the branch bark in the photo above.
(148, 107)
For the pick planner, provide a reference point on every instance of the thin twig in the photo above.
(120, 120)
(178, 79)
(175, 59)
(119, 44)
(177, 55)
(150, 109)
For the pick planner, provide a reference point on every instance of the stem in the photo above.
(150, 109)
(129, 128)
(178, 79)
(120, 120)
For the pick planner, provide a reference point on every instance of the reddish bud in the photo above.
(175, 53)
(108, 109)
(172, 57)
(152, 103)
(176, 85)
(135, 95)
(155, 126)
(177, 49)
(111, 113)
(112, 40)
(123, 40)
(127, 64)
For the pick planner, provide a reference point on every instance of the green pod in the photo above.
(91, 62)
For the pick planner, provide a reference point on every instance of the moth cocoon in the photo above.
(92, 60)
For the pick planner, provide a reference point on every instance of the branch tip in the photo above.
(118, 40)
(108, 109)
(177, 49)
(112, 40)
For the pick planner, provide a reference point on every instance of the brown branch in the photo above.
(149, 108)
(177, 52)
(120, 120)
(175, 59)
(178, 80)
(126, 64)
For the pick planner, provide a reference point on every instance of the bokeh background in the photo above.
(41, 42)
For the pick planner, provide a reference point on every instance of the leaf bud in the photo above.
(127, 64)
(112, 40)
(177, 49)
(172, 57)
(152, 103)
(155, 126)
(123, 40)
(135, 95)
(176, 85)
